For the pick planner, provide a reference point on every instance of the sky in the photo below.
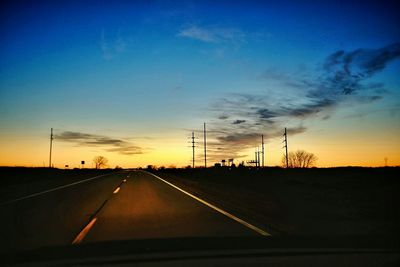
(131, 80)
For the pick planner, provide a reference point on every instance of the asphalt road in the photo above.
(118, 206)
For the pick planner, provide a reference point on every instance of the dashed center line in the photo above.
(78, 239)
(117, 190)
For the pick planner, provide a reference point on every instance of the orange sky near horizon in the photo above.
(333, 148)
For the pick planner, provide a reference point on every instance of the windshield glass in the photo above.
(172, 120)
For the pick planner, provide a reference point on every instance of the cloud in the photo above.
(316, 106)
(345, 71)
(127, 150)
(267, 114)
(238, 138)
(343, 74)
(111, 48)
(212, 34)
(342, 78)
(111, 144)
(238, 121)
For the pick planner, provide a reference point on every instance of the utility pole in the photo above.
(258, 157)
(193, 142)
(255, 160)
(287, 161)
(262, 147)
(205, 147)
(51, 145)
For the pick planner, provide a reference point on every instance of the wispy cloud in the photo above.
(344, 76)
(346, 70)
(240, 118)
(110, 48)
(213, 34)
(110, 144)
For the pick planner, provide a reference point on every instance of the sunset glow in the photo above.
(131, 81)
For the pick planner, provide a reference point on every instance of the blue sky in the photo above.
(139, 69)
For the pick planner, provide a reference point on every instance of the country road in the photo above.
(117, 206)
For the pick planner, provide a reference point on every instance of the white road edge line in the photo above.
(78, 239)
(53, 189)
(233, 217)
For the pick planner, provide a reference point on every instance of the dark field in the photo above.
(311, 202)
(18, 182)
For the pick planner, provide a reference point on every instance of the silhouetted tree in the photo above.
(150, 167)
(300, 159)
(100, 161)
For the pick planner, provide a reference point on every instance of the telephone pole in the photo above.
(205, 147)
(255, 160)
(193, 142)
(258, 152)
(262, 147)
(51, 145)
(286, 148)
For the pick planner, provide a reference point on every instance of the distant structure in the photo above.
(252, 162)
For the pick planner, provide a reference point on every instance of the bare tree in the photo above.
(100, 161)
(300, 159)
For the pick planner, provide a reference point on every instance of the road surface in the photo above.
(118, 206)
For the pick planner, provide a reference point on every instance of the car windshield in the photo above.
(235, 122)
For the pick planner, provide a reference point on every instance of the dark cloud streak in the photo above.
(342, 77)
(111, 144)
